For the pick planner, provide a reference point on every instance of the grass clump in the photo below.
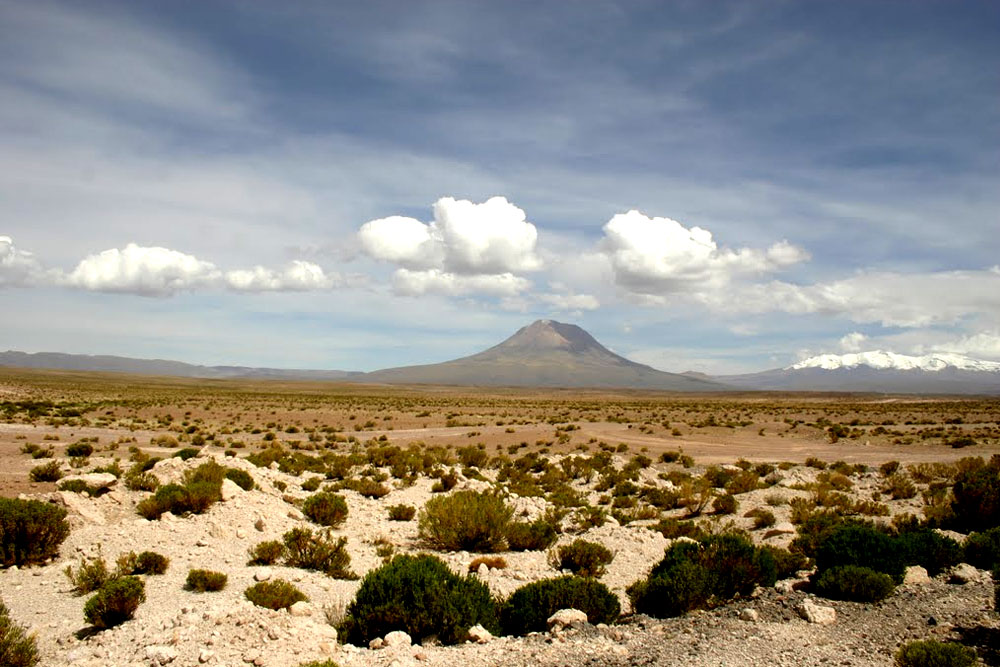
(858, 584)
(325, 508)
(534, 535)
(529, 607)
(30, 531)
(466, 521)
(266, 553)
(932, 653)
(420, 596)
(17, 648)
(402, 512)
(115, 602)
(241, 478)
(583, 558)
(89, 575)
(276, 594)
(147, 562)
(47, 472)
(202, 581)
(316, 551)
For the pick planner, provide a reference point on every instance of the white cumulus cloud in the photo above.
(853, 341)
(434, 281)
(570, 301)
(299, 276)
(148, 271)
(18, 268)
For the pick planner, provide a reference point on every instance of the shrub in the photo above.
(115, 602)
(319, 663)
(202, 581)
(17, 648)
(858, 584)
(529, 607)
(932, 653)
(275, 594)
(672, 528)
(30, 531)
(420, 596)
(201, 488)
(242, 478)
(147, 562)
(899, 487)
(89, 576)
(983, 549)
(977, 496)
(466, 521)
(137, 479)
(934, 552)
(79, 449)
(725, 504)
(531, 536)
(315, 551)
(861, 545)
(583, 558)
(402, 512)
(788, 563)
(77, 486)
(325, 508)
(492, 562)
(47, 472)
(186, 453)
(762, 518)
(266, 553)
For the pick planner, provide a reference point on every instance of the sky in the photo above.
(723, 187)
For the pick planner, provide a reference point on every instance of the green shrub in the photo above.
(531, 536)
(325, 508)
(242, 478)
(420, 596)
(136, 479)
(202, 581)
(861, 545)
(79, 449)
(976, 503)
(983, 549)
(933, 551)
(725, 504)
(858, 584)
(762, 518)
(266, 553)
(529, 607)
(672, 528)
(402, 512)
(89, 576)
(932, 653)
(147, 562)
(315, 551)
(201, 488)
(115, 602)
(77, 486)
(312, 484)
(186, 453)
(788, 563)
(17, 648)
(30, 531)
(47, 472)
(466, 521)
(275, 594)
(583, 558)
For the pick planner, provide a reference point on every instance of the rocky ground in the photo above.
(182, 628)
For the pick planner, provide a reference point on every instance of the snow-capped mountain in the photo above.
(882, 360)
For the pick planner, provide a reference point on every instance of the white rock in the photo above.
(230, 490)
(963, 573)
(205, 655)
(483, 570)
(161, 655)
(262, 574)
(376, 643)
(397, 638)
(301, 608)
(785, 527)
(83, 506)
(95, 480)
(916, 575)
(750, 615)
(480, 635)
(815, 613)
(567, 618)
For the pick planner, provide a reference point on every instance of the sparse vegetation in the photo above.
(274, 594)
(30, 531)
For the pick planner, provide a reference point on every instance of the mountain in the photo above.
(545, 354)
(879, 371)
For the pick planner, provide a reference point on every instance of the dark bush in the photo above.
(115, 602)
(30, 531)
(583, 558)
(420, 596)
(977, 496)
(983, 549)
(17, 648)
(266, 553)
(725, 504)
(531, 536)
(934, 552)
(316, 551)
(466, 521)
(788, 563)
(201, 488)
(275, 594)
(685, 587)
(202, 581)
(861, 545)
(186, 453)
(47, 472)
(402, 513)
(932, 653)
(858, 584)
(79, 449)
(242, 478)
(147, 562)
(672, 528)
(311, 484)
(529, 607)
(325, 508)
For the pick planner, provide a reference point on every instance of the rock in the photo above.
(262, 574)
(82, 506)
(296, 515)
(259, 525)
(301, 608)
(784, 528)
(567, 618)
(229, 490)
(376, 643)
(396, 639)
(480, 635)
(97, 481)
(205, 655)
(963, 573)
(750, 615)
(785, 586)
(161, 655)
(483, 570)
(916, 575)
(815, 613)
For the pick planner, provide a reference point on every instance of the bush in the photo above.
(861, 545)
(762, 518)
(115, 602)
(89, 576)
(788, 563)
(47, 472)
(242, 478)
(402, 512)
(30, 531)
(202, 581)
(531, 536)
(725, 504)
(325, 508)
(148, 562)
(583, 558)
(977, 496)
(672, 528)
(266, 553)
(315, 551)
(186, 453)
(932, 653)
(934, 552)
(17, 648)
(983, 549)
(275, 594)
(529, 607)
(858, 584)
(466, 521)
(420, 596)
(79, 449)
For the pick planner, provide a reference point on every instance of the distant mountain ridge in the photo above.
(883, 360)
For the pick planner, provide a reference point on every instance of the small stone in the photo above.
(259, 525)
(567, 618)
(815, 613)
(480, 635)
(483, 570)
(749, 615)
(963, 573)
(397, 638)
(262, 574)
(161, 655)
(205, 655)
(229, 490)
(301, 608)
(376, 643)
(916, 575)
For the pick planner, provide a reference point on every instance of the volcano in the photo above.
(544, 354)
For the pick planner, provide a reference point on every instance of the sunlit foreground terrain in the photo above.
(275, 523)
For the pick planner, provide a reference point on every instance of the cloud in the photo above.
(18, 268)
(570, 301)
(983, 345)
(660, 256)
(465, 238)
(852, 342)
(299, 276)
(147, 271)
(434, 281)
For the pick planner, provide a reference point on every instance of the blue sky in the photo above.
(716, 186)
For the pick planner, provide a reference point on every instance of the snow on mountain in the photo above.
(883, 360)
